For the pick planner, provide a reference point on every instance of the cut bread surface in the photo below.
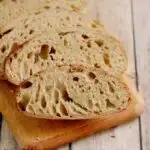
(82, 45)
(73, 92)
(10, 16)
(34, 25)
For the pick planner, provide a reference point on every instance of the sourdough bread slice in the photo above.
(64, 47)
(37, 24)
(73, 92)
(10, 16)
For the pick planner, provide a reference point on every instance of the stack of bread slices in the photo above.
(64, 64)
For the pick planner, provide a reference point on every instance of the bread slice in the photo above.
(38, 23)
(86, 46)
(73, 92)
(41, 134)
(10, 16)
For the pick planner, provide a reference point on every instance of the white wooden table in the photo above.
(129, 20)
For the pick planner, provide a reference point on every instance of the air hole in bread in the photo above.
(123, 102)
(1, 0)
(43, 102)
(26, 85)
(80, 86)
(101, 92)
(26, 26)
(36, 58)
(93, 25)
(97, 105)
(78, 25)
(68, 18)
(65, 42)
(53, 50)
(96, 81)
(65, 96)
(57, 7)
(3, 49)
(89, 88)
(42, 64)
(106, 59)
(29, 55)
(25, 37)
(75, 79)
(64, 33)
(38, 12)
(58, 115)
(56, 96)
(106, 47)
(14, 0)
(51, 57)
(44, 51)
(23, 104)
(10, 59)
(15, 55)
(7, 31)
(31, 73)
(91, 75)
(109, 104)
(111, 88)
(31, 31)
(63, 109)
(81, 47)
(99, 43)
(97, 65)
(84, 36)
(117, 97)
(62, 59)
(89, 44)
(46, 7)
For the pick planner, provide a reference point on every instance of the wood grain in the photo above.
(116, 16)
(141, 14)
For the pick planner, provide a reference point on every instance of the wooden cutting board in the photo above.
(39, 134)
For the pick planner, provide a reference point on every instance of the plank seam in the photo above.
(70, 146)
(136, 69)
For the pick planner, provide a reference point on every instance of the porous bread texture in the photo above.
(85, 46)
(12, 11)
(73, 92)
(37, 24)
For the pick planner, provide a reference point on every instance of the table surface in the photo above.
(128, 20)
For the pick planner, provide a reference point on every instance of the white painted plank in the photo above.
(141, 11)
(116, 16)
(66, 147)
(7, 141)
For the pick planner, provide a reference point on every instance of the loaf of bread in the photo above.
(37, 24)
(64, 47)
(9, 15)
(73, 92)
